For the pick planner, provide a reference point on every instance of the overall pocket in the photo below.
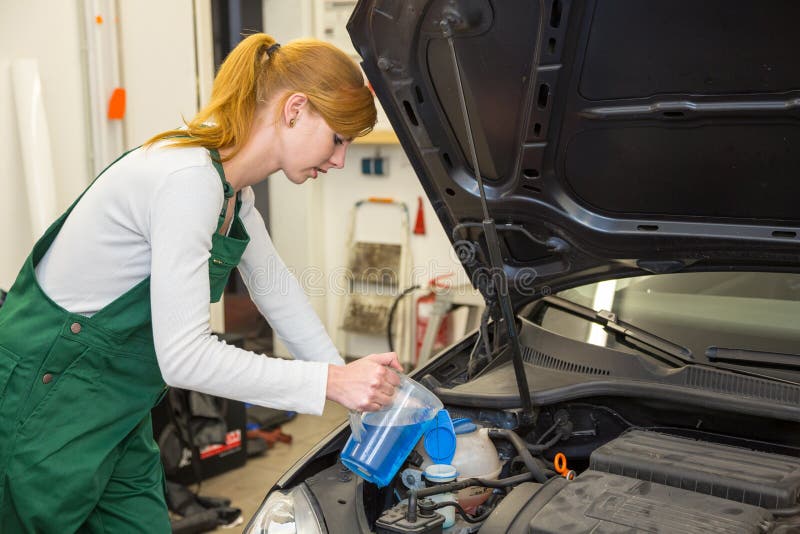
(60, 368)
(8, 362)
(218, 273)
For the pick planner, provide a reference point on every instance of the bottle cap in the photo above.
(440, 440)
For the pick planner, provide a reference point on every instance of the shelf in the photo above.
(378, 137)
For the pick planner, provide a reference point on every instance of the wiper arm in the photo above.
(753, 357)
(609, 321)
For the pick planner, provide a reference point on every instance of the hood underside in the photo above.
(614, 137)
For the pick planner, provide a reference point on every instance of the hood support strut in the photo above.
(451, 18)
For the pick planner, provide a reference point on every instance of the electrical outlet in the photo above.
(378, 166)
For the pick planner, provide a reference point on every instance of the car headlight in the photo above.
(287, 512)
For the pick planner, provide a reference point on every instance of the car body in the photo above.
(620, 181)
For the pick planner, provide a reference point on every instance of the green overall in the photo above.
(76, 446)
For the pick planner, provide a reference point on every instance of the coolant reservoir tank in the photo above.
(475, 455)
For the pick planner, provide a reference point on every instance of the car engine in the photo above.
(642, 481)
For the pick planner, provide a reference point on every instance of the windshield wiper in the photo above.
(753, 357)
(609, 321)
(730, 360)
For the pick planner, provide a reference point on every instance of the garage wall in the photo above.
(49, 32)
(431, 253)
(157, 50)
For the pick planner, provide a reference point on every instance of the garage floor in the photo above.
(247, 486)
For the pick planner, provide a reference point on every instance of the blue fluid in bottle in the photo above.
(383, 449)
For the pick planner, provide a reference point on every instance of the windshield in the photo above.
(754, 311)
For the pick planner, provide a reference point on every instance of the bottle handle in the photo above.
(356, 425)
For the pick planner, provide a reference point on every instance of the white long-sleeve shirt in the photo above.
(153, 214)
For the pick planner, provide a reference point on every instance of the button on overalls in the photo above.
(76, 445)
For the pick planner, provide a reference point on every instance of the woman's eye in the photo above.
(337, 140)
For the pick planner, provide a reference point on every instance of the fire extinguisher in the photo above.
(424, 310)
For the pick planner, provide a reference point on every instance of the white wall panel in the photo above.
(160, 75)
(16, 237)
(34, 144)
(51, 33)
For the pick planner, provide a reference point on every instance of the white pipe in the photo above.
(103, 73)
(34, 140)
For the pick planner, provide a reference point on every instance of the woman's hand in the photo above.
(366, 384)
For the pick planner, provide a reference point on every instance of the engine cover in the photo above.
(601, 502)
(734, 473)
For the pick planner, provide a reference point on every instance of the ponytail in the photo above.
(256, 71)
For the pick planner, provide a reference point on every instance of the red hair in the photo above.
(250, 75)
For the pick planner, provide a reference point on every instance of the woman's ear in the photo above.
(293, 107)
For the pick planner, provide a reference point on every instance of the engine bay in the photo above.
(628, 467)
(631, 446)
(642, 481)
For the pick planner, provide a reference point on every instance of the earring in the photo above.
(292, 122)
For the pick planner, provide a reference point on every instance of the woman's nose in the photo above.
(338, 157)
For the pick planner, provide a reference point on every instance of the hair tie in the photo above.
(271, 50)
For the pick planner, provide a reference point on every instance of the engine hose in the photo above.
(469, 482)
(397, 300)
(413, 495)
(785, 512)
(549, 473)
(522, 450)
(492, 501)
(463, 513)
(548, 432)
(540, 448)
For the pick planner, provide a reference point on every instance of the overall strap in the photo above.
(227, 188)
(41, 246)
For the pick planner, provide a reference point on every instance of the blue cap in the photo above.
(440, 440)
(464, 425)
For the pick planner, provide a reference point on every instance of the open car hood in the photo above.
(613, 137)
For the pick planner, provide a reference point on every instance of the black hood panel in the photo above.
(613, 136)
(683, 182)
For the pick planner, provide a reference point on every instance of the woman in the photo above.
(114, 300)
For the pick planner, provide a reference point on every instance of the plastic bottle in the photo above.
(380, 441)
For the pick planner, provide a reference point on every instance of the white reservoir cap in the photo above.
(440, 473)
